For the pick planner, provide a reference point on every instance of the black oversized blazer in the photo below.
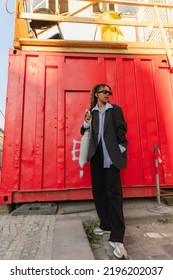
(115, 129)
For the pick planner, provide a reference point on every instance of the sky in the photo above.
(6, 39)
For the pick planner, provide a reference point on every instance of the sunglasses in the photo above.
(105, 92)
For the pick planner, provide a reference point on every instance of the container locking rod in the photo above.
(156, 164)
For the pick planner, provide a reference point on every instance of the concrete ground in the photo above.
(60, 236)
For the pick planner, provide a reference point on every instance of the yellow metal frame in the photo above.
(22, 38)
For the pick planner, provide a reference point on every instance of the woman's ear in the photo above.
(96, 94)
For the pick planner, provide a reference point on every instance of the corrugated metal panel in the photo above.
(46, 100)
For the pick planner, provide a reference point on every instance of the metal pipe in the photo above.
(156, 163)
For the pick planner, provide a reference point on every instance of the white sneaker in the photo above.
(99, 231)
(119, 250)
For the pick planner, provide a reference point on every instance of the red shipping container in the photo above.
(47, 96)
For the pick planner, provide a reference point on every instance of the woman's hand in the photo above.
(88, 117)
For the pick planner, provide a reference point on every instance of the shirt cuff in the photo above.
(122, 148)
(86, 124)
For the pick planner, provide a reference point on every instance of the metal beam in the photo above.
(87, 20)
(127, 3)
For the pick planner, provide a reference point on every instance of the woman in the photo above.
(107, 155)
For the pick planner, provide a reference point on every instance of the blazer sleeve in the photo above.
(121, 128)
(82, 130)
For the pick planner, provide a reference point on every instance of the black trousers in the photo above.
(107, 193)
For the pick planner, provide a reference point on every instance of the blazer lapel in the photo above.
(96, 122)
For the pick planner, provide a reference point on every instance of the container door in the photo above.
(82, 72)
(76, 105)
